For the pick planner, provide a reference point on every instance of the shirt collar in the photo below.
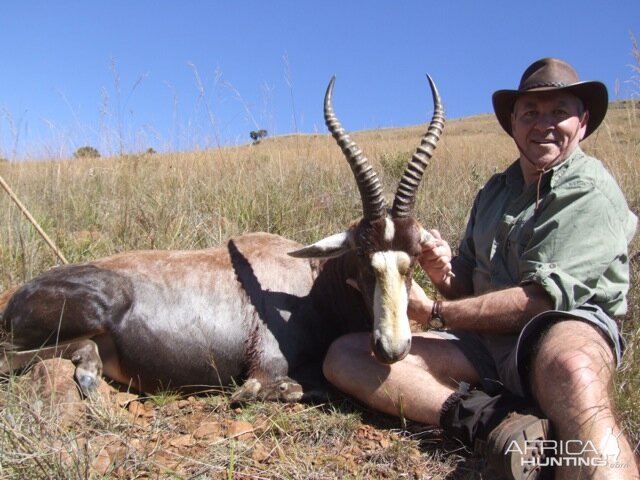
(559, 171)
(515, 181)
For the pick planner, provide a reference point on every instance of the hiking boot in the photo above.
(514, 450)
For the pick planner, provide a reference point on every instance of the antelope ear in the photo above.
(328, 247)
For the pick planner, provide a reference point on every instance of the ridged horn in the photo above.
(406, 194)
(373, 205)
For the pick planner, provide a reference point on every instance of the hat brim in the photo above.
(593, 94)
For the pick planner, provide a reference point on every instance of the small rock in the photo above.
(240, 429)
(102, 462)
(123, 398)
(185, 440)
(53, 381)
(139, 409)
(208, 431)
(262, 424)
(260, 453)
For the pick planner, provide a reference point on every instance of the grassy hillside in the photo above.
(296, 186)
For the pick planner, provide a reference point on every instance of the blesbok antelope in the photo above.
(259, 308)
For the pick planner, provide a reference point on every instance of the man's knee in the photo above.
(341, 354)
(572, 358)
(574, 369)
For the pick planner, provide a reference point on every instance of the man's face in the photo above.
(547, 127)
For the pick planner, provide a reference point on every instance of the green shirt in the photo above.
(574, 244)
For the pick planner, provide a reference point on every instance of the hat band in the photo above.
(546, 84)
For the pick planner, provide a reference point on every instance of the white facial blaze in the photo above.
(389, 229)
(391, 325)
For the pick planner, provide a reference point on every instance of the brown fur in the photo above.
(201, 318)
(5, 297)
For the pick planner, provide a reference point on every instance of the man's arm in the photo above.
(502, 311)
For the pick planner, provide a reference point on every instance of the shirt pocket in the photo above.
(518, 242)
(521, 235)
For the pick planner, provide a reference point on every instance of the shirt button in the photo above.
(552, 265)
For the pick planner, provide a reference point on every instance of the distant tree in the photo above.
(86, 152)
(150, 151)
(258, 135)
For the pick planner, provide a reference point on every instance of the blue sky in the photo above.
(128, 75)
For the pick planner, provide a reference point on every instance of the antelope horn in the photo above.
(373, 205)
(406, 193)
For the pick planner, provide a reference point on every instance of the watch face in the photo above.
(436, 322)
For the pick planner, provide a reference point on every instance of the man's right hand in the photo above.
(436, 259)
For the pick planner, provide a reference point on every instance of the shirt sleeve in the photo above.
(578, 249)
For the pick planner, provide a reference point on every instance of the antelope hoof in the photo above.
(88, 367)
(283, 390)
(87, 381)
(247, 391)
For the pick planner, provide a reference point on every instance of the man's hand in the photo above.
(436, 259)
(420, 305)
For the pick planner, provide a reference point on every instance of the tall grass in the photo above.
(297, 186)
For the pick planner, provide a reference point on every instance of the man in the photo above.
(527, 322)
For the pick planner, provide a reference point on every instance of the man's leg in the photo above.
(571, 380)
(416, 387)
(424, 387)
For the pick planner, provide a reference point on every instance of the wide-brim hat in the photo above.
(553, 74)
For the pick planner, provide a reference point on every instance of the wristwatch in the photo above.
(436, 321)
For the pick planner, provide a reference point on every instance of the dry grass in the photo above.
(124, 436)
(299, 187)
